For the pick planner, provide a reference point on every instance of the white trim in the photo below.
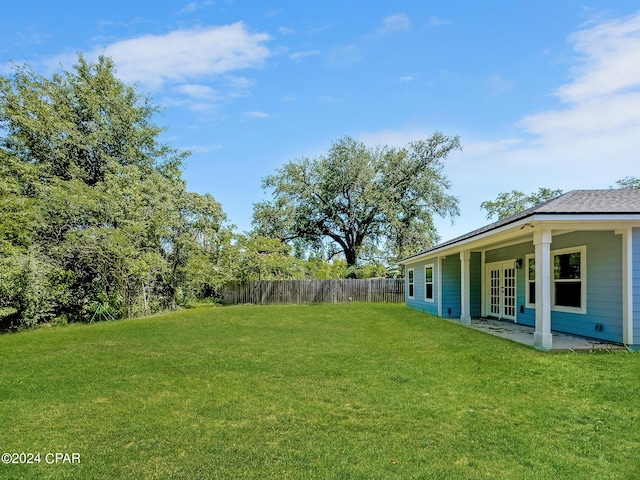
(439, 286)
(518, 231)
(627, 286)
(527, 300)
(432, 299)
(582, 249)
(501, 265)
(412, 283)
(483, 284)
(542, 338)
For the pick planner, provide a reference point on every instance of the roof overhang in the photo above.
(522, 230)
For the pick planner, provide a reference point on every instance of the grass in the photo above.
(305, 392)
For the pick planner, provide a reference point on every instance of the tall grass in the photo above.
(327, 391)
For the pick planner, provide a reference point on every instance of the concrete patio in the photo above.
(524, 334)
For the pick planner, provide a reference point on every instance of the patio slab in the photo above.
(524, 334)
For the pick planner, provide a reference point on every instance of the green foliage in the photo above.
(364, 200)
(628, 182)
(93, 208)
(510, 203)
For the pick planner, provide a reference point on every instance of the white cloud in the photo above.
(394, 23)
(436, 21)
(197, 91)
(183, 55)
(498, 85)
(609, 66)
(307, 53)
(257, 114)
(193, 6)
(590, 140)
(601, 105)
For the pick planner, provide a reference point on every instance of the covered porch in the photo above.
(570, 265)
(523, 334)
(519, 277)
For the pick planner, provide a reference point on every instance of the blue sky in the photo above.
(541, 93)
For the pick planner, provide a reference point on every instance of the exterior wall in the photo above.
(525, 316)
(603, 318)
(475, 266)
(636, 285)
(418, 302)
(451, 283)
(604, 286)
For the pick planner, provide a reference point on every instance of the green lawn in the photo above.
(327, 391)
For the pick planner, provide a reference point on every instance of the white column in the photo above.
(465, 288)
(542, 339)
(483, 285)
(627, 286)
(439, 286)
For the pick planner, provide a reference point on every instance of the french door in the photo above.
(501, 291)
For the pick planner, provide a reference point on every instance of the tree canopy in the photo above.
(509, 203)
(93, 209)
(628, 182)
(360, 199)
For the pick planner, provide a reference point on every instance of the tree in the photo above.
(628, 182)
(94, 209)
(361, 198)
(510, 203)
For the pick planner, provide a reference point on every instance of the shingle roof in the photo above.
(576, 202)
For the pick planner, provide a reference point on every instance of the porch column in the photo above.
(465, 288)
(542, 339)
(440, 286)
(627, 286)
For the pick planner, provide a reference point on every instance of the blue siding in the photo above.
(603, 280)
(475, 266)
(636, 285)
(418, 302)
(451, 286)
(604, 286)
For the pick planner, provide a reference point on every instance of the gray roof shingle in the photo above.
(576, 202)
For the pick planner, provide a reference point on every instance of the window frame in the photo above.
(528, 280)
(411, 278)
(432, 283)
(582, 309)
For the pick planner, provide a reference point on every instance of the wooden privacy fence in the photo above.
(266, 292)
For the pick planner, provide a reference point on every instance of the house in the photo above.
(570, 265)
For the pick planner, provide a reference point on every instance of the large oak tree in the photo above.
(362, 199)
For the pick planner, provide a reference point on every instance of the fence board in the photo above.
(389, 290)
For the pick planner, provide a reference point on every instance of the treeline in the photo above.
(94, 211)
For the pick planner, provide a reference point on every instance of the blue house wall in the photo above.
(418, 301)
(451, 282)
(451, 294)
(636, 285)
(475, 265)
(603, 318)
(604, 286)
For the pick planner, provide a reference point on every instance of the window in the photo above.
(568, 279)
(428, 282)
(410, 281)
(531, 280)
